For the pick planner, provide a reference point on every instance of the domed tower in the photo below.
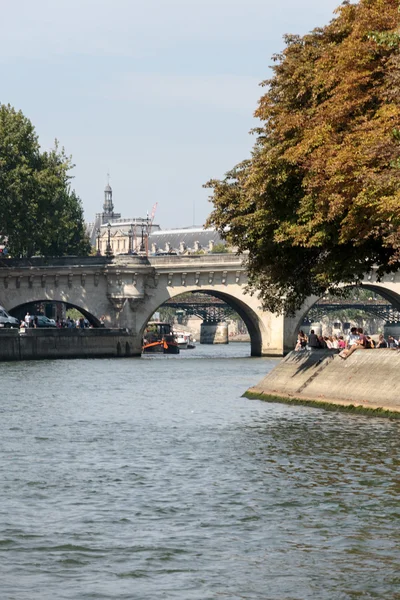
(108, 206)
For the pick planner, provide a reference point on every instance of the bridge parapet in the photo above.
(56, 262)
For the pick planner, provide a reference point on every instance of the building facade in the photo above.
(112, 234)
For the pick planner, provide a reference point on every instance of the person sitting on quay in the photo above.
(313, 340)
(391, 342)
(370, 342)
(382, 343)
(301, 341)
(359, 344)
(331, 342)
(352, 338)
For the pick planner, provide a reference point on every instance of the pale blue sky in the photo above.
(162, 94)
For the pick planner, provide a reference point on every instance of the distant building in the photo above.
(126, 233)
(138, 235)
(187, 240)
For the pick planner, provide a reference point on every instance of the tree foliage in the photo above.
(318, 202)
(39, 213)
(219, 248)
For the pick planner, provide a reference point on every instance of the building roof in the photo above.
(188, 236)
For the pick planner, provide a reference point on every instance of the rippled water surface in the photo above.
(153, 479)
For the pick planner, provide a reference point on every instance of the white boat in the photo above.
(184, 340)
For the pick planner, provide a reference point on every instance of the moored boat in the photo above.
(159, 338)
(184, 340)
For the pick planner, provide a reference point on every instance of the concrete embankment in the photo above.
(369, 380)
(35, 344)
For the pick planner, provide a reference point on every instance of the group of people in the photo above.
(32, 321)
(29, 321)
(355, 340)
(68, 323)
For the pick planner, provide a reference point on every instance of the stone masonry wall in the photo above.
(368, 378)
(37, 344)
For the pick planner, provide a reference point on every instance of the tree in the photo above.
(39, 213)
(318, 201)
(219, 248)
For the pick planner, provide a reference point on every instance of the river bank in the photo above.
(46, 343)
(37, 344)
(367, 382)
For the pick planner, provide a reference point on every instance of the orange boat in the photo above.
(158, 338)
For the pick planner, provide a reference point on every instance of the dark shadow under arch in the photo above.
(94, 321)
(243, 310)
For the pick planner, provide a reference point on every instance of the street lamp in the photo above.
(144, 227)
(98, 241)
(131, 240)
(109, 249)
(142, 248)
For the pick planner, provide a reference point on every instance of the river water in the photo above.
(153, 479)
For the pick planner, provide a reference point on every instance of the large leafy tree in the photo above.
(39, 213)
(318, 202)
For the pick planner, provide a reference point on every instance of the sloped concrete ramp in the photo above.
(368, 378)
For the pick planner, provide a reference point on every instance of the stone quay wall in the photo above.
(368, 379)
(36, 344)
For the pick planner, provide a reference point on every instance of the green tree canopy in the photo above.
(318, 202)
(39, 213)
(219, 248)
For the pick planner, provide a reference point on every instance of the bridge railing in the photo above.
(60, 261)
(123, 259)
(197, 259)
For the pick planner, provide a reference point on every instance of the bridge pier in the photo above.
(212, 332)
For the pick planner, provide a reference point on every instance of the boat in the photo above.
(184, 340)
(159, 338)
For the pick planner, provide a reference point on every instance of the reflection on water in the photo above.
(152, 478)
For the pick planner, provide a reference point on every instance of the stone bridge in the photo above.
(127, 290)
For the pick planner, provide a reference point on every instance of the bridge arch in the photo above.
(16, 311)
(246, 312)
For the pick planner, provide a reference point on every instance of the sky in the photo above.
(159, 94)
